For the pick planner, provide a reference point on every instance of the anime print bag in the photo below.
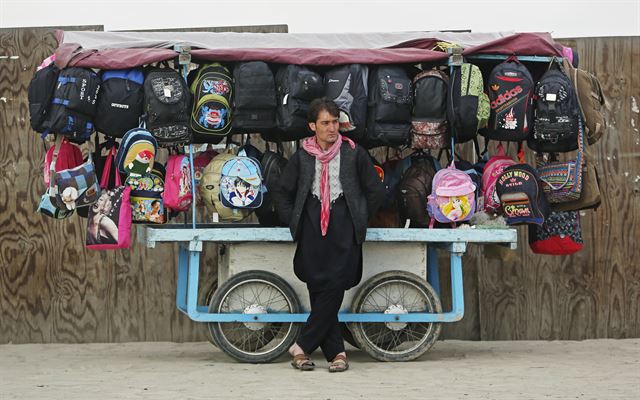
(109, 221)
(241, 183)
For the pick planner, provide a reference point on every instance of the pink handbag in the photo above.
(109, 220)
(177, 193)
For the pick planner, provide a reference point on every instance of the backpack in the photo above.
(74, 104)
(210, 191)
(429, 126)
(561, 234)
(241, 183)
(137, 152)
(590, 100)
(120, 102)
(389, 111)
(346, 85)
(178, 193)
(296, 87)
(273, 163)
(41, 89)
(494, 167)
(467, 104)
(254, 97)
(200, 162)
(167, 106)
(520, 192)
(146, 196)
(555, 127)
(393, 171)
(212, 103)
(510, 89)
(453, 197)
(413, 190)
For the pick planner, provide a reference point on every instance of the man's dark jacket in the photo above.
(361, 186)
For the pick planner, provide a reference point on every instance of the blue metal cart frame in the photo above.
(452, 240)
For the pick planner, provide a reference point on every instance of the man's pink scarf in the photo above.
(312, 147)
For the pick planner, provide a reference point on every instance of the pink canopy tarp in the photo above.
(115, 50)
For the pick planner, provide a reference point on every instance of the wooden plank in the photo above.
(596, 292)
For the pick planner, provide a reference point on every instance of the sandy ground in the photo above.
(592, 369)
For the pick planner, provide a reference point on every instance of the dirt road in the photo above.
(592, 369)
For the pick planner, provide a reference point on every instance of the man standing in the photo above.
(327, 193)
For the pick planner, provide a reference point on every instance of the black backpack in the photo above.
(296, 87)
(167, 106)
(467, 103)
(346, 85)
(120, 102)
(41, 89)
(413, 191)
(429, 126)
(212, 90)
(254, 97)
(510, 89)
(389, 111)
(555, 127)
(74, 104)
(273, 163)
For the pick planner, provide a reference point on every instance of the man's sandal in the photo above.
(302, 362)
(339, 364)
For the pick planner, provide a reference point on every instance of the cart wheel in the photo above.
(395, 292)
(254, 292)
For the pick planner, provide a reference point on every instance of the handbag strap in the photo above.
(54, 158)
(106, 172)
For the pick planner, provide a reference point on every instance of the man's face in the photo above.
(326, 129)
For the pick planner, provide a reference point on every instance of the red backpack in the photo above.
(492, 171)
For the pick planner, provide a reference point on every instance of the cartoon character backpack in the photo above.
(492, 171)
(453, 197)
(210, 192)
(212, 106)
(178, 192)
(146, 196)
(241, 183)
(137, 152)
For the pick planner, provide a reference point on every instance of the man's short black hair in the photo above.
(322, 104)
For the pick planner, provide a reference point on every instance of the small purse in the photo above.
(561, 234)
(109, 220)
(75, 187)
(562, 180)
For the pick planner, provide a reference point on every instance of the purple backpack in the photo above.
(452, 198)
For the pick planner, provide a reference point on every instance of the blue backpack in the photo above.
(241, 183)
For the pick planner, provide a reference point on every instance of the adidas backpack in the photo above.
(41, 89)
(429, 127)
(120, 102)
(74, 104)
(254, 97)
(296, 87)
(555, 127)
(413, 190)
(212, 103)
(453, 198)
(389, 111)
(467, 104)
(346, 85)
(167, 106)
(510, 89)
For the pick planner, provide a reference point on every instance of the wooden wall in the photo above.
(53, 290)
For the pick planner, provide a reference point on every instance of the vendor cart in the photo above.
(258, 309)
